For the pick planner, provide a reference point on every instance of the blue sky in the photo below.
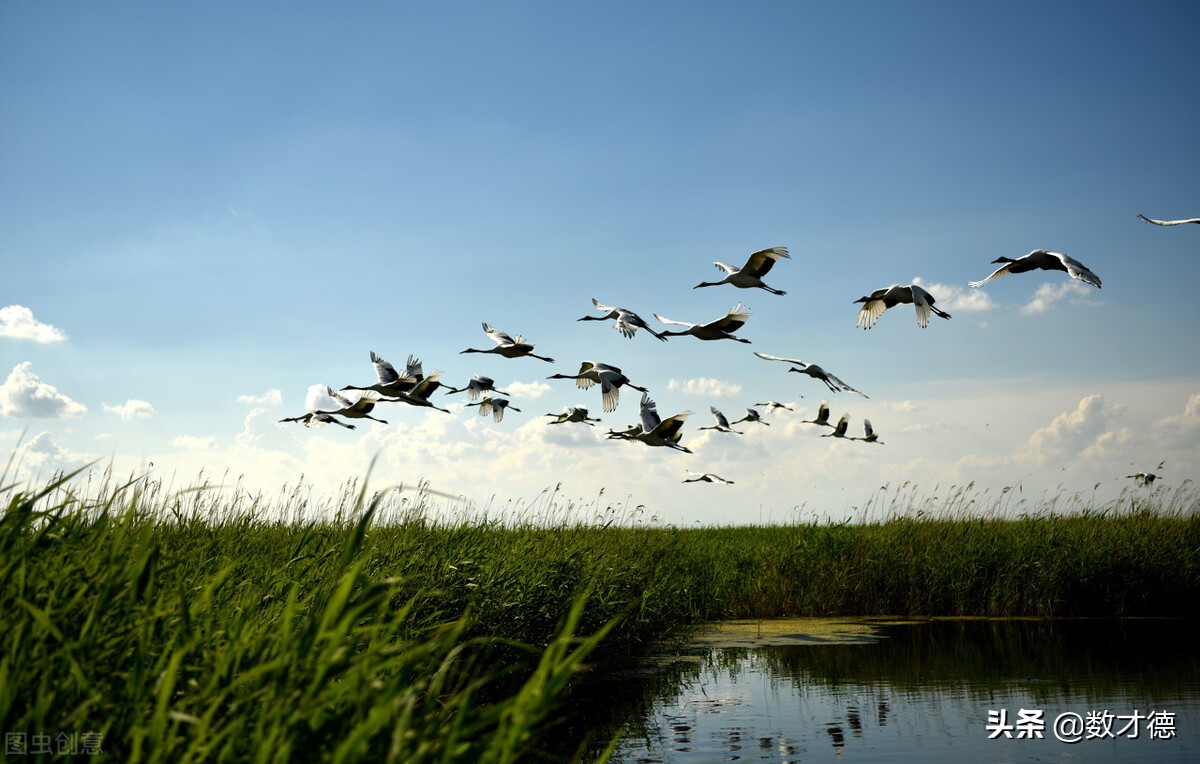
(205, 211)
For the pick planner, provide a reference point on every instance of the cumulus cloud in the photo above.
(1048, 295)
(17, 322)
(952, 298)
(131, 409)
(194, 442)
(42, 453)
(531, 390)
(704, 386)
(1073, 433)
(24, 396)
(272, 397)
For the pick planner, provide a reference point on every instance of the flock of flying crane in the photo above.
(413, 387)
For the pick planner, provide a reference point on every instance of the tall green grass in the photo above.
(197, 626)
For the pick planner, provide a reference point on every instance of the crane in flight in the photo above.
(706, 477)
(493, 406)
(814, 371)
(573, 414)
(654, 430)
(610, 378)
(1168, 222)
(718, 329)
(317, 419)
(1044, 260)
(508, 346)
(750, 275)
(389, 381)
(722, 424)
(880, 300)
(478, 385)
(625, 321)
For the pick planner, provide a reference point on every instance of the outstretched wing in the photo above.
(1003, 270)
(666, 320)
(731, 321)
(871, 310)
(1168, 222)
(766, 357)
(1078, 270)
(762, 261)
(649, 414)
(384, 370)
(499, 337)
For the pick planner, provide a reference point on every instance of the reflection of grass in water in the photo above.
(201, 624)
(1045, 659)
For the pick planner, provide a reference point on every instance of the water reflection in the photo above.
(923, 692)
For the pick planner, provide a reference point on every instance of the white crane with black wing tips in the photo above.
(359, 409)
(749, 276)
(478, 385)
(493, 406)
(839, 431)
(1168, 222)
(508, 346)
(625, 321)
(573, 414)
(390, 381)
(419, 395)
(869, 434)
(317, 419)
(717, 329)
(722, 424)
(610, 378)
(880, 300)
(822, 416)
(1147, 478)
(706, 477)
(1043, 260)
(655, 431)
(814, 371)
(752, 415)
(776, 405)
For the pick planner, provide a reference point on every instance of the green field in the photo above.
(196, 626)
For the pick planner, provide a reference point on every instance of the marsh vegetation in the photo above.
(196, 625)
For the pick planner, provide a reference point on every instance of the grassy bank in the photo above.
(182, 628)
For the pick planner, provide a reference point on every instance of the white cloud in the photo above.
(707, 386)
(131, 409)
(952, 298)
(42, 453)
(1073, 433)
(194, 442)
(272, 397)
(532, 390)
(17, 322)
(24, 396)
(1047, 295)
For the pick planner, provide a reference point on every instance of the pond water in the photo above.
(812, 690)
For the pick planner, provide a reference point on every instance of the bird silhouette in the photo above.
(749, 276)
(389, 381)
(573, 414)
(508, 346)
(718, 329)
(624, 321)
(722, 424)
(317, 419)
(814, 371)
(880, 300)
(1168, 222)
(610, 378)
(1041, 259)
(494, 406)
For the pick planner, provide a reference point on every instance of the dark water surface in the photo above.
(933, 691)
